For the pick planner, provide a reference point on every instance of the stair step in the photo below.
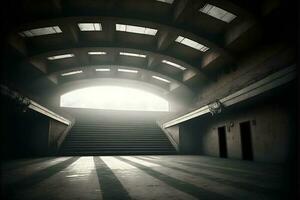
(105, 138)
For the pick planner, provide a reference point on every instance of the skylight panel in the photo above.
(161, 79)
(127, 70)
(90, 26)
(136, 29)
(102, 70)
(57, 57)
(191, 43)
(173, 64)
(166, 1)
(40, 31)
(132, 54)
(120, 27)
(97, 53)
(218, 13)
(72, 73)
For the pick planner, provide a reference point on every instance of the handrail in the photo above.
(35, 106)
(272, 81)
(28, 103)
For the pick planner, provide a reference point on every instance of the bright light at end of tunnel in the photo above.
(114, 98)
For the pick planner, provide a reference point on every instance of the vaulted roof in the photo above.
(204, 38)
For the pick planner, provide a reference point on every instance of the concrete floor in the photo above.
(140, 177)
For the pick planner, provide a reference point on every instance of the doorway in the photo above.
(246, 140)
(222, 142)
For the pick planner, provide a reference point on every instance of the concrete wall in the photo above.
(270, 130)
(174, 133)
(56, 131)
(37, 132)
(188, 139)
(273, 128)
(27, 134)
(251, 68)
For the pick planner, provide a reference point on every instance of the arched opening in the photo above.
(113, 98)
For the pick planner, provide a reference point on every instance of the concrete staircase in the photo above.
(127, 137)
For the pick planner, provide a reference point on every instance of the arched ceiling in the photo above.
(223, 41)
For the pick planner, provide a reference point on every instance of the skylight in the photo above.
(57, 57)
(173, 64)
(166, 1)
(132, 54)
(71, 73)
(191, 43)
(127, 70)
(113, 98)
(135, 29)
(218, 13)
(40, 31)
(161, 79)
(102, 70)
(90, 26)
(96, 53)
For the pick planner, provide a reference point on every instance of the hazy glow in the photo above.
(71, 73)
(97, 53)
(173, 64)
(127, 70)
(113, 98)
(102, 70)
(57, 57)
(132, 54)
(161, 79)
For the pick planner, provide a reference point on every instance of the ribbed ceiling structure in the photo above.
(177, 45)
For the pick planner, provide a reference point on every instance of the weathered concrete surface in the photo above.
(141, 177)
(250, 69)
(247, 70)
(271, 131)
(272, 119)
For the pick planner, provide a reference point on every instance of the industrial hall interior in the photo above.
(149, 99)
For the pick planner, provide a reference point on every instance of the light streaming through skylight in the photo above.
(114, 98)
(133, 54)
(57, 57)
(90, 26)
(71, 73)
(191, 43)
(136, 29)
(97, 53)
(173, 64)
(102, 70)
(40, 31)
(218, 13)
(128, 70)
(161, 79)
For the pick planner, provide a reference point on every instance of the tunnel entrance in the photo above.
(222, 142)
(114, 98)
(246, 140)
